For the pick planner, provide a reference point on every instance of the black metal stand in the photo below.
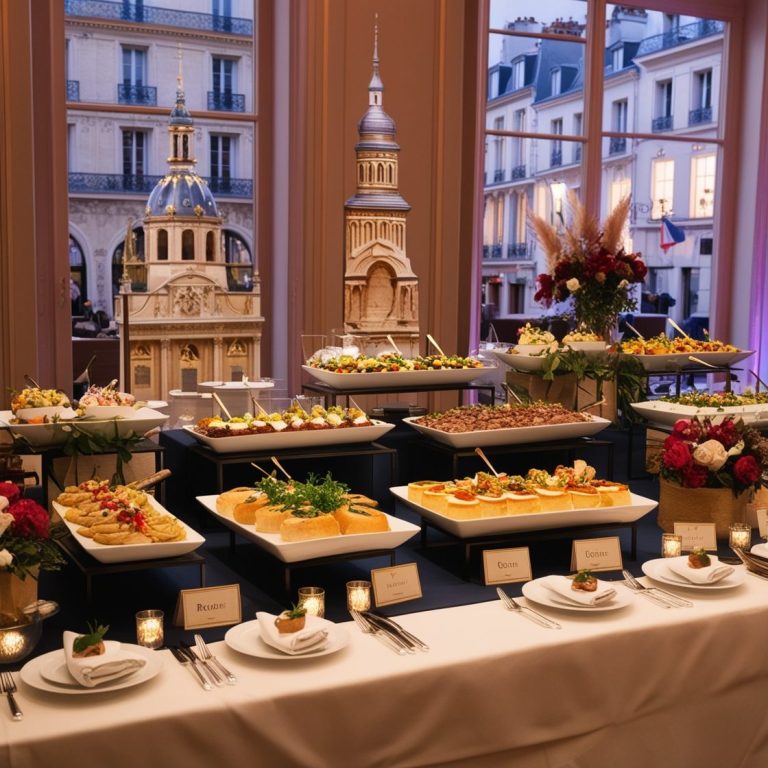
(330, 394)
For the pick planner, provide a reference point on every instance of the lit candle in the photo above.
(11, 643)
(149, 629)
(312, 599)
(358, 595)
(740, 536)
(671, 545)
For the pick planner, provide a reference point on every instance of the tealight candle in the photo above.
(671, 545)
(12, 642)
(313, 600)
(740, 536)
(149, 629)
(358, 595)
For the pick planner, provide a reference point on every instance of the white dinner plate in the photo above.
(760, 549)
(396, 379)
(304, 438)
(128, 553)
(662, 412)
(246, 638)
(484, 438)
(536, 593)
(658, 570)
(49, 673)
(295, 551)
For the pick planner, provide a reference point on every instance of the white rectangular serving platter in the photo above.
(128, 553)
(302, 439)
(296, 551)
(534, 521)
(671, 363)
(513, 435)
(386, 379)
(56, 433)
(660, 412)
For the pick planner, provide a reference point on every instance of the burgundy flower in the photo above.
(677, 454)
(10, 491)
(725, 432)
(746, 470)
(694, 475)
(30, 519)
(687, 429)
(639, 269)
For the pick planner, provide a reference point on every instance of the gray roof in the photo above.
(184, 190)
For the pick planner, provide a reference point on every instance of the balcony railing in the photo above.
(700, 115)
(222, 101)
(577, 150)
(556, 158)
(685, 34)
(517, 251)
(492, 251)
(73, 90)
(120, 183)
(144, 95)
(166, 17)
(617, 145)
(659, 124)
(498, 175)
(518, 172)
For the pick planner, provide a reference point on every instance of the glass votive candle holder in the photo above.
(358, 595)
(312, 599)
(740, 536)
(671, 545)
(149, 629)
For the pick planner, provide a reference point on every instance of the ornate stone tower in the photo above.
(381, 291)
(189, 326)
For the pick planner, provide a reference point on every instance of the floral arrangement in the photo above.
(589, 263)
(25, 534)
(700, 454)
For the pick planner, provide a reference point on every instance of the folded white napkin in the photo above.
(561, 586)
(91, 671)
(312, 638)
(709, 575)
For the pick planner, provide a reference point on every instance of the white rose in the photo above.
(5, 521)
(623, 283)
(573, 284)
(6, 558)
(710, 454)
(737, 449)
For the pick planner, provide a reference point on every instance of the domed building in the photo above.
(188, 326)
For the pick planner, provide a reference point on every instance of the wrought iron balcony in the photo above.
(120, 183)
(73, 90)
(492, 251)
(685, 34)
(166, 17)
(617, 145)
(144, 95)
(659, 124)
(498, 175)
(517, 252)
(700, 115)
(222, 101)
(518, 172)
(556, 158)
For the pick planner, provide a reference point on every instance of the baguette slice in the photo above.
(302, 528)
(226, 502)
(245, 512)
(269, 518)
(360, 518)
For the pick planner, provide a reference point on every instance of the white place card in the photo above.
(208, 607)
(762, 521)
(602, 554)
(505, 566)
(697, 535)
(397, 584)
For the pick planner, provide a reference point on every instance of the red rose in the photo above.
(10, 491)
(725, 432)
(30, 519)
(746, 470)
(694, 475)
(639, 269)
(687, 429)
(677, 454)
(546, 285)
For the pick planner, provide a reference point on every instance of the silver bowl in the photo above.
(19, 640)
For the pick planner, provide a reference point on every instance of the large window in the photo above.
(221, 158)
(702, 186)
(134, 153)
(134, 66)
(663, 186)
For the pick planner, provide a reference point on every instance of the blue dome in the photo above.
(376, 120)
(181, 193)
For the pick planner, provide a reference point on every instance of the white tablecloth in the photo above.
(641, 687)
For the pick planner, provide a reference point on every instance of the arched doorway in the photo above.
(237, 255)
(78, 283)
(137, 270)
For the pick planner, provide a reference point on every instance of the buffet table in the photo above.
(635, 687)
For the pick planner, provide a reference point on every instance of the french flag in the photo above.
(671, 234)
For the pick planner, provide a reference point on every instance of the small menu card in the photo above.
(397, 584)
(762, 522)
(504, 566)
(602, 554)
(696, 535)
(208, 607)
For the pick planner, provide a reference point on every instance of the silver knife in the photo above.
(405, 634)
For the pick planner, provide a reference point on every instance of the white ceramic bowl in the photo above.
(531, 349)
(108, 411)
(49, 411)
(587, 346)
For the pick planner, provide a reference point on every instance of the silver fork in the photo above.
(206, 655)
(385, 637)
(185, 662)
(9, 688)
(659, 596)
(524, 610)
(212, 675)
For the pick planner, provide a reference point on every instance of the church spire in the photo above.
(181, 125)
(375, 87)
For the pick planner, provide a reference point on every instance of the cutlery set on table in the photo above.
(389, 632)
(205, 667)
